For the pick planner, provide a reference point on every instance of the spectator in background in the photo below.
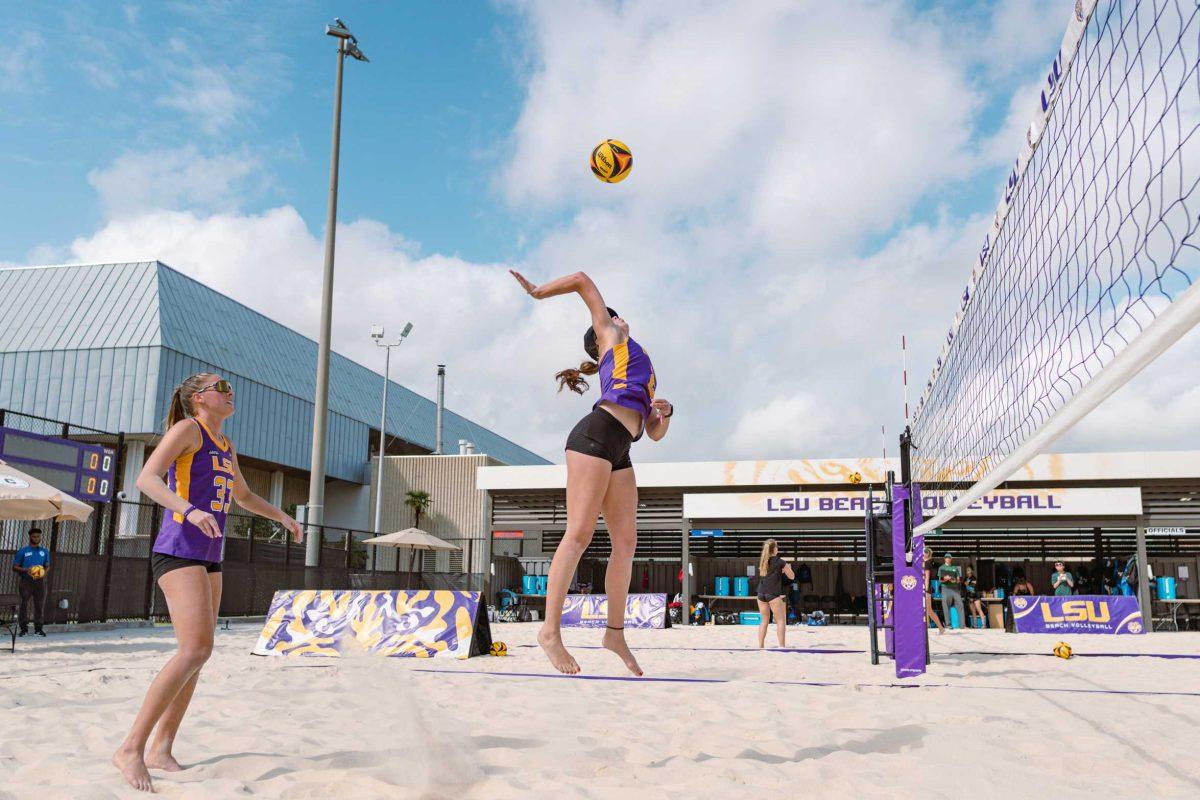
(971, 588)
(950, 577)
(1062, 582)
(1023, 586)
(930, 614)
(32, 563)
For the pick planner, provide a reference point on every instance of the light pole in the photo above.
(377, 335)
(315, 512)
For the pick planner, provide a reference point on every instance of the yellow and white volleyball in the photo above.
(499, 649)
(37, 571)
(856, 477)
(611, 161)
(1062, 650)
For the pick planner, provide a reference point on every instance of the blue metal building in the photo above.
(103, 345)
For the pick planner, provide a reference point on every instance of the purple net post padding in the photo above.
(908, 605)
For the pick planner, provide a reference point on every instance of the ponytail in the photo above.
(573, 378)
(770, 548)
(181, 399)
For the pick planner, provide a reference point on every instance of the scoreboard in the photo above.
(86, 471)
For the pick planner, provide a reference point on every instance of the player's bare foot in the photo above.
(552, 645)
(614, 640)
(133, 768)
(162, 759)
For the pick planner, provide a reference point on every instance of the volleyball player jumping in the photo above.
(203, 479)
(599, 471)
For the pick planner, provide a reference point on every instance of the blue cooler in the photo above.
(542, 582)
(529, 584)
(722, 587)
(750, 618)
(1166, 588)
(954, 621)
(741, 587)
(1000, 592)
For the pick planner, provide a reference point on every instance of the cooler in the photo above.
(722, 587)
(741, 587)
(1166, 588)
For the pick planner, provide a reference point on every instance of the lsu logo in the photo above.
(908, 582)
(1078, 611)
(1020, 602)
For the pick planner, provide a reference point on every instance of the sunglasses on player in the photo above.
(224, 387)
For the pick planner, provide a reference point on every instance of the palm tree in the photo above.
(419, 502)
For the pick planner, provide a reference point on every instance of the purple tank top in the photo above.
(627, 378)
(204, 479)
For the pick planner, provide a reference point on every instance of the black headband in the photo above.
(589, 339)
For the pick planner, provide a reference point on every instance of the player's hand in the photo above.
(294, 527)
(525, 284)
(662, 408)
(206, 522)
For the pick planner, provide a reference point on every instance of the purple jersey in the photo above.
(203, 478)
(627, 378)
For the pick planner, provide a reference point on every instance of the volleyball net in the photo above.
(1090, 268)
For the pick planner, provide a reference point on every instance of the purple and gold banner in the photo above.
(591, 611)
(1077, 614)
(418, 624)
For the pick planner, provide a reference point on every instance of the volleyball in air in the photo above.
(499, 649)
(1062, 650)
(37, 571)
(856, 477)
(611, 161)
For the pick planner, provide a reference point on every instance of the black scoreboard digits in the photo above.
(86, 471)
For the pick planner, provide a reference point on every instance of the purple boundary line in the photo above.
(630, 678)
(832, 651)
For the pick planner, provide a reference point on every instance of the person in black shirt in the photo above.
(771, 569)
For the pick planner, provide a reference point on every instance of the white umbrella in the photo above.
(413, 538)
(25, 497)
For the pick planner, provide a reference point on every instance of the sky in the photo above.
(811, 181)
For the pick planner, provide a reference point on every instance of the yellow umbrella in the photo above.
(25, 497)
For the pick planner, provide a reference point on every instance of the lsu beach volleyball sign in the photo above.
(591, 611)
(1115, 502)
(391, 623)
(1077, 614)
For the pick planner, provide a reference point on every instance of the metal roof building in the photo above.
(103, 345)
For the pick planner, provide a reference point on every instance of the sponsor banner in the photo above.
(1077, 614)
(707, 532)
(418, 624)
(591, 611)
(1119, 502)
(508, 534)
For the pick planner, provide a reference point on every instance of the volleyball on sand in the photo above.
(611, 161)
(499, 649)
(1062, 650)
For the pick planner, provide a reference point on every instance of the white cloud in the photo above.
(19, 61)
(766, 249)
(206, 94)
(175, 179)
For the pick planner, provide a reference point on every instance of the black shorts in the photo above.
(161, 564)
(766, 599)
(602, 435)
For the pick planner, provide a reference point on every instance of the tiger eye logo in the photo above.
(1020, 602)
(908, 582)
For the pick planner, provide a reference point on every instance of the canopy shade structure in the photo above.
(25, 497)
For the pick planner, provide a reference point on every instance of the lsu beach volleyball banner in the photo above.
(305, 622)
(591, 611)
(1077, 614)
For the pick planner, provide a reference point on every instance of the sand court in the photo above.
(995, 710)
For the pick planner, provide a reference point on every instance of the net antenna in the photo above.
(1089, 271)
